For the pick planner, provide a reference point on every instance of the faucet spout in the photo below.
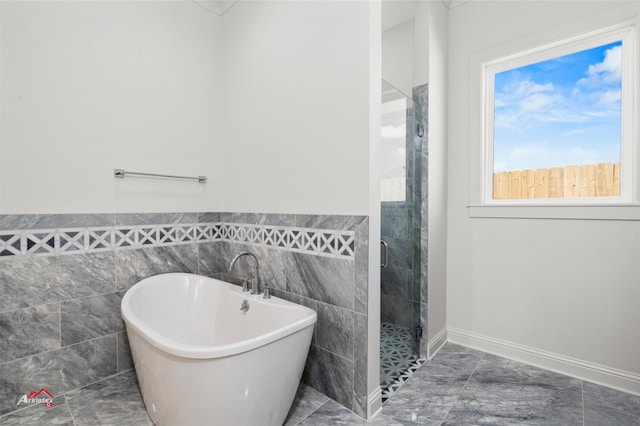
(255, 283)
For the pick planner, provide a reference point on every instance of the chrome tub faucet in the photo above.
(255, 282)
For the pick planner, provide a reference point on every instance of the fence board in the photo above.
(515, 182)
(589, 180)
(541, 183)
(586, 186)
(528, 184)
(571, 181)
(501, 185)
(616, 179)
(604, 180)
(556, 182)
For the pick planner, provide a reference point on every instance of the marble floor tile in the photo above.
(605, 406)
(115, 401)
(460, 387)
(332, 413)
(58, 415)
(307, 401)
(427, 397)
(506, 392)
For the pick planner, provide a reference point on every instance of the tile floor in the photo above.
(460, 386)
(397, 360)
(396, 353)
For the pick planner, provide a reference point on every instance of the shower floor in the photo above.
(397, 360)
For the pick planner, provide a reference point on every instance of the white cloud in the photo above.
(579, 156)
(610, 96)
(524, 100)
(609, 71)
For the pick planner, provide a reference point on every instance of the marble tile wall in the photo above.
(60, 324)
(335, 288)
(404, 228)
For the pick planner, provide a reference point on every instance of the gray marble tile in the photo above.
(361, 259)
(331, 413)
(432, 391)
(275, 219)
(396, 310)
(307, 400)
(99, 385)
(29, 331)
(395, 222)
(335, 330)
(615, 399)
(116, 402)
(598, 412)
(424, 318)
(30, 281)
(420, 94)
(274, 263)
(506, 392)
(233, 217)
(134, 265)
(330, 374)
(208, 217)
(360, 348)
(396, 282)
(89, 317)
(211, 259)
(58, 371)
(335, 222)
(58, 415)
(125, 360)
(325, 279)
(304, 301)
(132, 219)
(48, 221)
(400, 253)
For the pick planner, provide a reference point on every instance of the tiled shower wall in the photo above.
(400, 301)
(62, 278)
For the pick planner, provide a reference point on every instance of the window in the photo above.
(558, 121)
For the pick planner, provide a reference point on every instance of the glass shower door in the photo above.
(401, 222)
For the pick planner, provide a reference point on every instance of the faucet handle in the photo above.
(245, 285)
(266, 291)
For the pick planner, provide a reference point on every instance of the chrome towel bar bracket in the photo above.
(121, 173)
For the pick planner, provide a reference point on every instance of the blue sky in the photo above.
(560, 112)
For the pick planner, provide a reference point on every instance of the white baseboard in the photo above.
(374, 403)
(436, 343)
(591, 372)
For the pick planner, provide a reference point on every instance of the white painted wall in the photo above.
(296, 107)
(398, 56)
(86, 87)
(270, 101)
(437, 18)
(535, 288)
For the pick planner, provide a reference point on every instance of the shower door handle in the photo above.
(384, 253)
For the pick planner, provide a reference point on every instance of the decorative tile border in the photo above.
(395, 386)
(43, 242)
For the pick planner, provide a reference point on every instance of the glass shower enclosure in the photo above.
(401, 187)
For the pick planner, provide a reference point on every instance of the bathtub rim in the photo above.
(172, 347)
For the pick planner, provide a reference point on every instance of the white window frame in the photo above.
(574, 38)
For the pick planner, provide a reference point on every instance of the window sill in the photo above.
(575, 212)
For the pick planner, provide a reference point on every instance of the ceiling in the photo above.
(219, 7)
(394, 12)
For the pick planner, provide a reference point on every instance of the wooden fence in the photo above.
(591, 180)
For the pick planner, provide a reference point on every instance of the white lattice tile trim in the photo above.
(43, 242)
(323, 242)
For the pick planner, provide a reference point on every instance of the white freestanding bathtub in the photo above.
(201, 359)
